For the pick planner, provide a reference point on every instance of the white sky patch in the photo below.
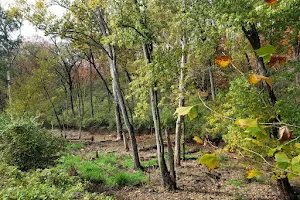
(27, 29)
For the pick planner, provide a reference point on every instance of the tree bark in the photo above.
(286, 191)
(171, 158)
(118, 116)
(212, 85)
(166, 178)
(178, 130)
(91, 92)
(111, 55)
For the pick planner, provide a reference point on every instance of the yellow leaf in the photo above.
(210, 161)
(255, 78)
(223, 61)
(247, 123)
(297, 145)
(198, 140)
(253, 173)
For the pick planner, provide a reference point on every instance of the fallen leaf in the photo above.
(255, 78)
(253, 173)
(285, 134)
(223, 61)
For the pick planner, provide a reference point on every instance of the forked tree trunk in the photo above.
(178, 129)
(166, 178)
(284, 186)
(111, 55)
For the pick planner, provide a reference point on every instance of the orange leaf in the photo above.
(255, 78)
(222, 61)
(198, 140)
(277, 59)
(271, 2)
(285, 134)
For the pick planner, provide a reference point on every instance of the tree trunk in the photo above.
(182, 141)
(91, 92)
(286, 191)
(111, 55)
(118, 116)
(171, 158)
(8, 86)
(167, 181)
(166, 178)
(212, 85)
(53, 107)
(179, 120)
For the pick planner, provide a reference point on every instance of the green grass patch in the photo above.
(75, 146)
(235, 183)
(109, 169)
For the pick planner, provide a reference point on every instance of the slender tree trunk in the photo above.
(166, 178)
(171, 158)
(212, 85)
(91, 92)
(118, 116)
(182, 140)
(179, 120)
(53, 107)
(8, 86)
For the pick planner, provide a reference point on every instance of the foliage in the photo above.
(52, 183)
(27, 146)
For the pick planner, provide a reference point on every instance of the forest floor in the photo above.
(194, 181)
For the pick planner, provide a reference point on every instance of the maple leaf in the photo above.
(285, 134)
(271, 2)
(198, 140)
(255, 78)
(253, 173)
(210, 161)
(277, 59)
(223, 61)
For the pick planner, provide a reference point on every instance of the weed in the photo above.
(235, 183)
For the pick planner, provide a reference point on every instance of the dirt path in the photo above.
(194, 181)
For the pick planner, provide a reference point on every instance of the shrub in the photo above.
(24, 144)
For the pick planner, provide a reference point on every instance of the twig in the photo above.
(257, 155)
(234, 66)
(232, 119)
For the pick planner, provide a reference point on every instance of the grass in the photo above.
(235, 183)
(75, 146)
(109, 169)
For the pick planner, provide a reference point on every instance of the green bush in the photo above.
(24, 144)
(53, 183)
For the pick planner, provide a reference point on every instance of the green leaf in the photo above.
(253, 173)
(183, 110)
(193, 113)
(296, 164)
(265, 51)
(257, 132)
(272, 151)
(282, 161)
(210, 161)
(247, 123)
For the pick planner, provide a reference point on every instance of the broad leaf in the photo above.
(193, 113)
(210, 161)
(297, 145)
(282, 161)
(183, 110)
(223, 61)
(266, 50)
(296, 164)
(271, 2)
(247, 123)
(198, 140)
(255, 78)
(253, 173)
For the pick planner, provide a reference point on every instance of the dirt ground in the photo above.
(193, 180)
